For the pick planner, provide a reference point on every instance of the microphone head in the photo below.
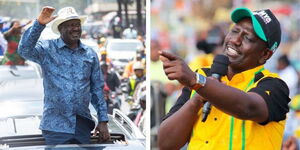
(220, 65)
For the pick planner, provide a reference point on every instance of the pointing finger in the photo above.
(168, 55)
(163, 59)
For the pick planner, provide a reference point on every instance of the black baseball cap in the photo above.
(265, 25)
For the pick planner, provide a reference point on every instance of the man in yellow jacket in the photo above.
(249, 106)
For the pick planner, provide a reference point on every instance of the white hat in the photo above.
(138, 65)
(65, 14)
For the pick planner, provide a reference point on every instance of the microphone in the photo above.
(218, 69)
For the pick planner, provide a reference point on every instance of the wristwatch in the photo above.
(200, 81)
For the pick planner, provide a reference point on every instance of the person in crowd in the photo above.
(249, 105)
(110, 77)
(128, 69)
(117, 28)
(3, 41)
(288, 74)
(138, 77)
(72, 78)
(211, 45)
(142, 52)
(104, 57)
(101, 42)
(141, 38)
(292, 128)
(13, 36)
(130, 33)
(111, 104)
(140, 117)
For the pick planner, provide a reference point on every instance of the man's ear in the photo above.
(60, 27)
(266, 54)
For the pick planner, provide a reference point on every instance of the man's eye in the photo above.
(74, 25)
(248, 38)
(234, 31)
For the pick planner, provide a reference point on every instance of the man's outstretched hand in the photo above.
(176, 69)
(46, 15)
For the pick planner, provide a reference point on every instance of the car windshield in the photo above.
(29, 124)
(124, 46)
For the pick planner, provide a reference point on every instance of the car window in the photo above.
(122, 46)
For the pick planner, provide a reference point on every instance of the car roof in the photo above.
(34, 140)
(124, 40)
(19, 72)
(21, 90)
(21, 107)
(26, 98)
(130, 145)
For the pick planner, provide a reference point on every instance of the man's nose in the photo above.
(236, 39)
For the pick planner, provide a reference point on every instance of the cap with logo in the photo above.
(265, 25)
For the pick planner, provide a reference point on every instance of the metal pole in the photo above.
(139, 16)
(126, 13)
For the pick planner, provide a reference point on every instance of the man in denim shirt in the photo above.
(72, 79)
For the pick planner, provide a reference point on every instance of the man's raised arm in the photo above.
(29, 46)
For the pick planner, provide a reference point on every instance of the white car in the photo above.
(21, 107)
(28, 71)
(121, 51)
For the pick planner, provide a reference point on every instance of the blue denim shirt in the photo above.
(72, 79)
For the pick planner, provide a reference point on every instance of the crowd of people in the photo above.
(127, 81)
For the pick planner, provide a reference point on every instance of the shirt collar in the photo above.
(61, 44)
(82, 46)
(245, 75)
